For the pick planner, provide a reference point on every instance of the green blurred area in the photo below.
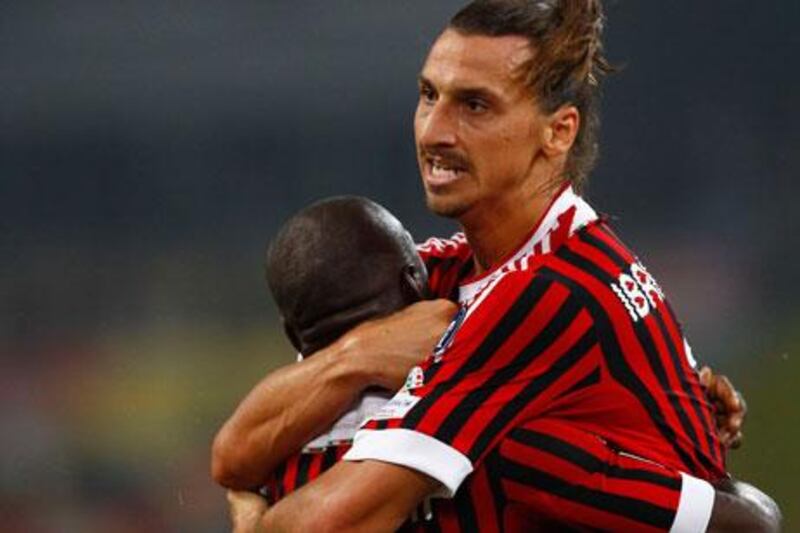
(768, 457)
(120, 431)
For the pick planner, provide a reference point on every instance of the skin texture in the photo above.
(476, 117)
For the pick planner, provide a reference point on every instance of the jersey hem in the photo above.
(414, 450)
(694, 506)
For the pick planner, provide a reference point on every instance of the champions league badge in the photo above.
(450, 333)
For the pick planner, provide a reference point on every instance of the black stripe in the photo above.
(495, 484)
(592, 378)
(499, 424)
(695, 402)
(651, 352)
(302, 469)
(280, 485)
(465, 270)
(619, 367)
(587, 461)
(639, 510)
(515, 316)
(442, 264)
(329, 459)
(472, 402)
(595, 242)
(465, 510)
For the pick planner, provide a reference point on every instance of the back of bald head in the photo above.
(339, 262)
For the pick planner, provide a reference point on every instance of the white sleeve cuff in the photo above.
(694, 507)
(414, 450)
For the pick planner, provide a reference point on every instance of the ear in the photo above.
(413, 284)
(291, 334)
(560, 131)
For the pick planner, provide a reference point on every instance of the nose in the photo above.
(436, 125)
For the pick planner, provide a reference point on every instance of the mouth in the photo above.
(438, 172)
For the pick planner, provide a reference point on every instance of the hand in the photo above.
(387, 348)
(246, 510)
(730, 405)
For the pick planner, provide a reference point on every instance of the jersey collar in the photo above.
(566, 214)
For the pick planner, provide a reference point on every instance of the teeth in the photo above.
(444, 172)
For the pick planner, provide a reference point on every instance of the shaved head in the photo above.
(337, 263)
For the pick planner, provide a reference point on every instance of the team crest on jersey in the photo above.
(449, 334)
(638, 291)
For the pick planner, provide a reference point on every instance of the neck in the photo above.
(495, 231)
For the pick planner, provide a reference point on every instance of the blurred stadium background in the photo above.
(148, 151)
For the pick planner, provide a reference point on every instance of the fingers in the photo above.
(730, 406)
(705, 376)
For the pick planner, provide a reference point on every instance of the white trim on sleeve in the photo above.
(414, 450)
(694, 507)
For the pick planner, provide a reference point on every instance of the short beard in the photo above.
(452, 210)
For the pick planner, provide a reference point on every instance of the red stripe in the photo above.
(595, 256)
(483, 502)
(563, 509)
(290, 477)
(483, 417)
(575, 475)
(315, 467)
(633, 352)
(474, 331)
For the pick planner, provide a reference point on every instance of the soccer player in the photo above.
(313, 251)
(558, 320)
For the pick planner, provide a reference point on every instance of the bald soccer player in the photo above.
(347, 260)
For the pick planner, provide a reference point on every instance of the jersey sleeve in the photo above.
(522, 343)
(549, 468)
(445, 260)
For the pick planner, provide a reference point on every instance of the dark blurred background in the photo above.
(149, 150)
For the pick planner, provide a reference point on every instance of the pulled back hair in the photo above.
(568, 62)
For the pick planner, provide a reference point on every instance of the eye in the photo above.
(427, 94)
(476, 105)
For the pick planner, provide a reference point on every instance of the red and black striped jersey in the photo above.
(571, 327)
(544, 476)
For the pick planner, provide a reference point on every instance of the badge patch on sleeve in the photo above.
(415, 379)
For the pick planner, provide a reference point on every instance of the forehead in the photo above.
(458, 60)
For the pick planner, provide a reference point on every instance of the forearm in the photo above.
(297, 402)
(351, 497)
(284, 411)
